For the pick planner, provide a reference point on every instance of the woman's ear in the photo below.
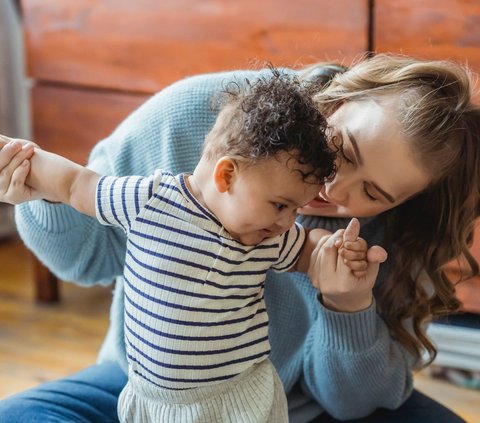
(224, 173)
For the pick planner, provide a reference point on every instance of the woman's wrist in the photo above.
(343, 305)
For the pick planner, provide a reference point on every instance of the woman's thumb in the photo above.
(376, 254)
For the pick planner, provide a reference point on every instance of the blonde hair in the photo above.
(442, 124)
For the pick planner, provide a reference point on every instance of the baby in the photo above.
(198, 249)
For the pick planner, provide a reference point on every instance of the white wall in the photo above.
(14, 107)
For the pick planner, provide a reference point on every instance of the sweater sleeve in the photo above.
(165, 132)
(352, 366)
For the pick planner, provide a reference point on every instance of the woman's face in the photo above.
(376, 170)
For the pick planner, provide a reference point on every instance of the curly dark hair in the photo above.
(274, 113)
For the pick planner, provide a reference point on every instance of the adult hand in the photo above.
(345, 287)
(14, 168)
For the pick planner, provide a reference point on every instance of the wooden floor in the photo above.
(44, 342)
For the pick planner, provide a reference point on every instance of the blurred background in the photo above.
(71, 70)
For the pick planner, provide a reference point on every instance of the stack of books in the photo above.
(457, 338)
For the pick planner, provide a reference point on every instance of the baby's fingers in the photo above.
(358, 245)
(356, 264)
(353, 255)
(17, 191)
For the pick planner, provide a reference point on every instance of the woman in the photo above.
(408, 137)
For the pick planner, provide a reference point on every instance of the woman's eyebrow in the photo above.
(356, 151)
(384, 193)
(359, 159)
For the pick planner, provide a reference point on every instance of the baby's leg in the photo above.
(254, 396)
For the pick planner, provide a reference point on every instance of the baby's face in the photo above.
(264, 198)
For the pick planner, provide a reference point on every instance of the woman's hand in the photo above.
(14, 169)
(344, 271)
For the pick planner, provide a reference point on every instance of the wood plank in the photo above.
(41, 343)
(44, 342)
(70, 121)
(144, 45)
(439, 29)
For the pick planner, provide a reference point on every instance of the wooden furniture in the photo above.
(92, 62)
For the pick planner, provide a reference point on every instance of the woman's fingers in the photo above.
(352, 230)
(376, 254)
(8, 151)
(359, 273)
(11, 157)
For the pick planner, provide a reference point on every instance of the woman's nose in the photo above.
(337, 190)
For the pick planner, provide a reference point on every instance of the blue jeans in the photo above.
(91, 396)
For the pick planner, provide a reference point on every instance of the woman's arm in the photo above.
(351, 363)
(352, 366)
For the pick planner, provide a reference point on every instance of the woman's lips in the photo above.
(319, 202)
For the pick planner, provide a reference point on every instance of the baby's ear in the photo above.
(224, 173)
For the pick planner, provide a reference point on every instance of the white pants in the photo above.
(254, 396)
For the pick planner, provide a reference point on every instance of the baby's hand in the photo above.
(353, 250)
(14, 168)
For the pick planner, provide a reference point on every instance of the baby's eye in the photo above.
(280, 206)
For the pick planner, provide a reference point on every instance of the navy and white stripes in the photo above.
(194, 307)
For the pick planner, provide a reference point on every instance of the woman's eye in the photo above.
(369, 196)
(279, 206)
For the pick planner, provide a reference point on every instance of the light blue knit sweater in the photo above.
(346, 364)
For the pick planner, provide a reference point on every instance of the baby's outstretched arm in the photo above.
(49, 176)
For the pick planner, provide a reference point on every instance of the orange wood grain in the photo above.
(441, 29)
(146, 44)
(70, 121)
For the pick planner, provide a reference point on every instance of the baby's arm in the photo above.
(55, 178)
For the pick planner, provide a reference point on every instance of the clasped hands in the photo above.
(344, 269)
(14, 169)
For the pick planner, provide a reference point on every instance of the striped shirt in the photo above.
(194, 306)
